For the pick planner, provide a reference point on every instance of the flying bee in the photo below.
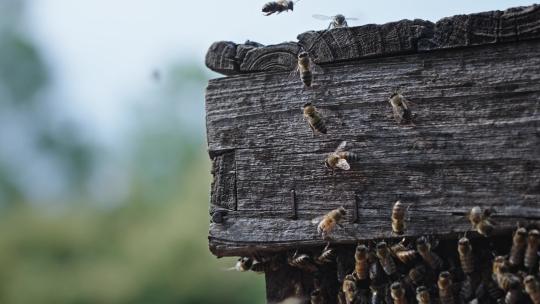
(314, 119)
(305, 68)
(243, 264)
(466, 257)
(397, 292)
(401, 108)
(385, 258)
(349, 288)
(422, 295)
(531, 252)
(339, 158)
(337, 21)
(519, 242)
(329, 221)
(326, 256)
(532, 287)
(278, 6)
(445, 288)
(424, 250)
(302, 261)
(361, 267)
(398, 218)
(481, 220)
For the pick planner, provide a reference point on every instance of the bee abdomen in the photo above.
(271, 7)
(351, 156)
(467, 263)
(307, 77)
(319, 125)
(303, 261)
(398, 293)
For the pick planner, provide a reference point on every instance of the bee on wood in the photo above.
(424, 250)
(305, 68)
(385, 258)
(317, 297)
(302, 261)
(481, 220)
(337, 21)
(398, 218)
(466, 257)
(326, 256)
(397, 292)
(314, 119)
(361, 267)
(403, 253)
(401, 108)
(416, 276)
(349, 288)
(422, 295)
(519, 242)
(531, 252)
(339, 158)
(514, 294)
(328, 222)
(532, 287)
(445, 288)
(278, 6)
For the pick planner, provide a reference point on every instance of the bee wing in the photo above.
(317, 220)
(343, 164)
(341, 146)
(294, 75)
(399, 113)
(352, 19)
(315, 68)
(322, 17)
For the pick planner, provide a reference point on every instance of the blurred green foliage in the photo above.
(149, 248)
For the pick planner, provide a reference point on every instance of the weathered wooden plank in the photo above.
(372, 40)
(223, 194)
(476, 141)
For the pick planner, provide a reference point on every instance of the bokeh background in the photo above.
(104, 176)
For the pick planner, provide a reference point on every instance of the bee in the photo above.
(466, 257)
(398, 218)
(513, 295)
(314, 119)
(243, 264)
(424, 249)
(305, 68)
(385, 258)
(401, 108)
(302, 261)
(349, 288)
(480, 220)
(317, 297)
(422, 295)
(278, 6)
(326, 256)
(519, 242)
(505, 279)
(339, 158)
(445, 288)
(498, 263)
(416, 275)
(397, 292)
(330, 221)
(361, 267)
(402, 253)
(531, 252)
(532, 288)
(337, 21)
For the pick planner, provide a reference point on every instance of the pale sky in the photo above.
(102, 51)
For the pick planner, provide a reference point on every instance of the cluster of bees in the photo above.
(414, 270)
(422, 270)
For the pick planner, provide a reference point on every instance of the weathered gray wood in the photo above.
(372, 40)
(476, 141)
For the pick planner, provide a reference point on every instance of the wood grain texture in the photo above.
(475, 141)
(373, 40)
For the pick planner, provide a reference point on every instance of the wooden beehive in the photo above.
(474, 81)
